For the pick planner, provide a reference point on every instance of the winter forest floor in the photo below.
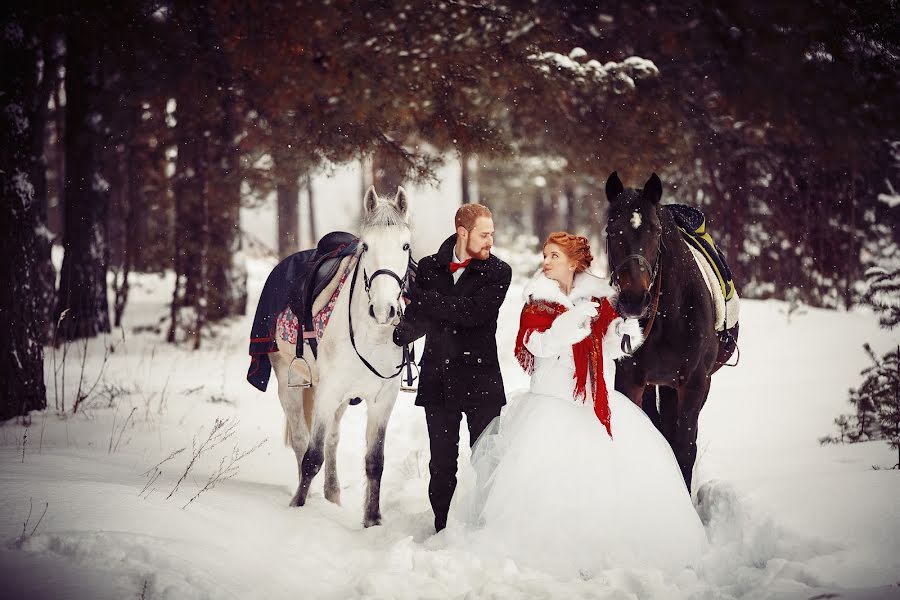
(786, 517)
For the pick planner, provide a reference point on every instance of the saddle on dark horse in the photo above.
(691, 222)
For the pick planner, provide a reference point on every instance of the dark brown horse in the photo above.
(659, 281)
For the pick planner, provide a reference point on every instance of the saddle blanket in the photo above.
(287, 326)
(727, 312)
(692, 224)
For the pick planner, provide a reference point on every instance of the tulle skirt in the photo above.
(555, 492)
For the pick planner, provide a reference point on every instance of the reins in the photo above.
(407, 355)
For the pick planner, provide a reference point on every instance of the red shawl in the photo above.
(538, 315)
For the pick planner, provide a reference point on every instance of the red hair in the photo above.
(467, 214)
(575, 247)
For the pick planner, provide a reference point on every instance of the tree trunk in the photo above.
(313, 231)
(227, 285)
(539, 212)
(571, 219)
(82, 308)
(21, 363)
(288, 194)
(388, 173)
(191, 224)
(45, 279)
(465, 177)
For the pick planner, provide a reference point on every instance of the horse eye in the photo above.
(406, 246)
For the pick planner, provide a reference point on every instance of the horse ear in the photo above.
(371, 200)
(653, 189)
(614, 186)
(401, 201)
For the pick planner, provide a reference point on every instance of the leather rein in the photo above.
(368, 285)
(655, 282)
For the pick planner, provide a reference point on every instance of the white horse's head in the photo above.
(384, 242)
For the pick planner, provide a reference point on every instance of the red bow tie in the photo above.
(455, 266)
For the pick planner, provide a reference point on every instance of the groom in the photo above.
(455, 304)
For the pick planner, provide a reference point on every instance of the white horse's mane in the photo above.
(384, 215)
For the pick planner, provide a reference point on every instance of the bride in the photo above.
(573, 477)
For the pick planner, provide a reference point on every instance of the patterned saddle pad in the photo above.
(287, 326)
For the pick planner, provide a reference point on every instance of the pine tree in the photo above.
(21, 366)
(885, 378)
(884, 294)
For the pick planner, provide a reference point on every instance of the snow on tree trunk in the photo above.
(81, 298)
(21, 366)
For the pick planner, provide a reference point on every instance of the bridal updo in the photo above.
(576, 248)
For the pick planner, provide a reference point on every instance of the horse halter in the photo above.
(642, 261)
(367, 281)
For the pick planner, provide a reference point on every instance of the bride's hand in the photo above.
(574, 325)
(629, 327)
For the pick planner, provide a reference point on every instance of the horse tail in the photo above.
(287, 433)
(308, 405)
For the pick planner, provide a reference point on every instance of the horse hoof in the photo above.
(355, 401)
(372, 522)
(296, 501)
(334, 499)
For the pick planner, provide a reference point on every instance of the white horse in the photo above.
(357, 358)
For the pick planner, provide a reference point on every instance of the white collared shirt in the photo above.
(459, 272)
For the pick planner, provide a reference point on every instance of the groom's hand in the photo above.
(411, 290)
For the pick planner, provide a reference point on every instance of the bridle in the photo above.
(655, 282)
(368, 286)
(642, 261)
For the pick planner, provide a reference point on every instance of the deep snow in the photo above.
(785, 517)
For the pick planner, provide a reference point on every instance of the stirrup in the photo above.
(408, 381)
(301, 384)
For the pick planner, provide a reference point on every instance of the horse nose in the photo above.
(383, 314)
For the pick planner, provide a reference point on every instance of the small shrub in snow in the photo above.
(25, 533)
(877, 399)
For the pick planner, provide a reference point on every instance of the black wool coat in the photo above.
(459, 367)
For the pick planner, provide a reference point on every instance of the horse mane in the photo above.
(385, 215)
(667, 222)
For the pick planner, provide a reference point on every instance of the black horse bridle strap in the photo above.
(350, 315)
(654, 307)
(368, 280)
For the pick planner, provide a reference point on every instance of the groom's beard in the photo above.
(478, 252)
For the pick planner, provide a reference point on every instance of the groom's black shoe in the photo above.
(439, 523)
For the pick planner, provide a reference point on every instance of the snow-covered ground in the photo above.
(786, 518)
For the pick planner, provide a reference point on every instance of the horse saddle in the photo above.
(323, 268)
(692, 224)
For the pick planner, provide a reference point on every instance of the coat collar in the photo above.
(445, 255)
(585, 287)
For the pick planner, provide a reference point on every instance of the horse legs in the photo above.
(631, 384)
(332, 485)
(648, 403)
(668, 413)
(377, 414)
(296, 407)
(323, 420)
(691, 397)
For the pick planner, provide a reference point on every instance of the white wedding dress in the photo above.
(555, 492)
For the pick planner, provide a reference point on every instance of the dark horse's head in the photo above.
(633, 238)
